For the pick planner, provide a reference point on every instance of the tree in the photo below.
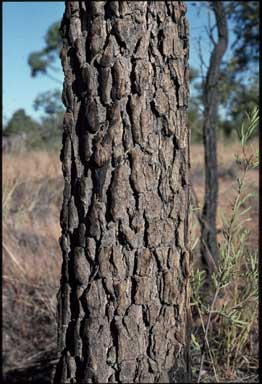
(209, 248)
(50, 102)
(195, 119)
(19, 123)
(245, 15)
(52, 120)
(238, 84)
(43, 61)
(237, 99)
(123, 301)
(239, 88)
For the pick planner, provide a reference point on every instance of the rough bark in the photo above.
(123, 309)
(209, 248)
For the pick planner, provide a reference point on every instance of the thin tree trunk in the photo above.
(123, 309)
(209, 248)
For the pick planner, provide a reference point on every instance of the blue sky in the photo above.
(24, 28)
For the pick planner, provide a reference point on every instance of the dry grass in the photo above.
(227, 313)
(32, 196)
(228, 171)
(32, 190)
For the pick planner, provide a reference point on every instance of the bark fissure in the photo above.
(124, 224)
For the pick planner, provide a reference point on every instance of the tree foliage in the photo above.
(195, 116)
(238, 85)
(236, 99)
(45, 134)
(42, 61)
(20, 122)
(50, 102)
(244, 15)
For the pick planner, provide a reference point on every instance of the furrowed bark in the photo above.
(123, 311)
(209, 248)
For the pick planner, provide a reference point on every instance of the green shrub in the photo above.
(227, 311)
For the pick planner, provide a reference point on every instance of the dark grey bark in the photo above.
(123, 309)
(209, 248)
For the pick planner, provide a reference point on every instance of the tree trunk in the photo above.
(123, 309)
(209, 248)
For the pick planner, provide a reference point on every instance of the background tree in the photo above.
(237, 86)
(49, 102)
(20, 119)
(195, 112)
(52, 120)
(244, 15)
(43, 61)
(21, 132)
(236, 99)
(123, 312)
(209, 249)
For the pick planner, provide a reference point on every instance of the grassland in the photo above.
(32, 197)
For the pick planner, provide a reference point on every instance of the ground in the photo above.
(32, 197)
